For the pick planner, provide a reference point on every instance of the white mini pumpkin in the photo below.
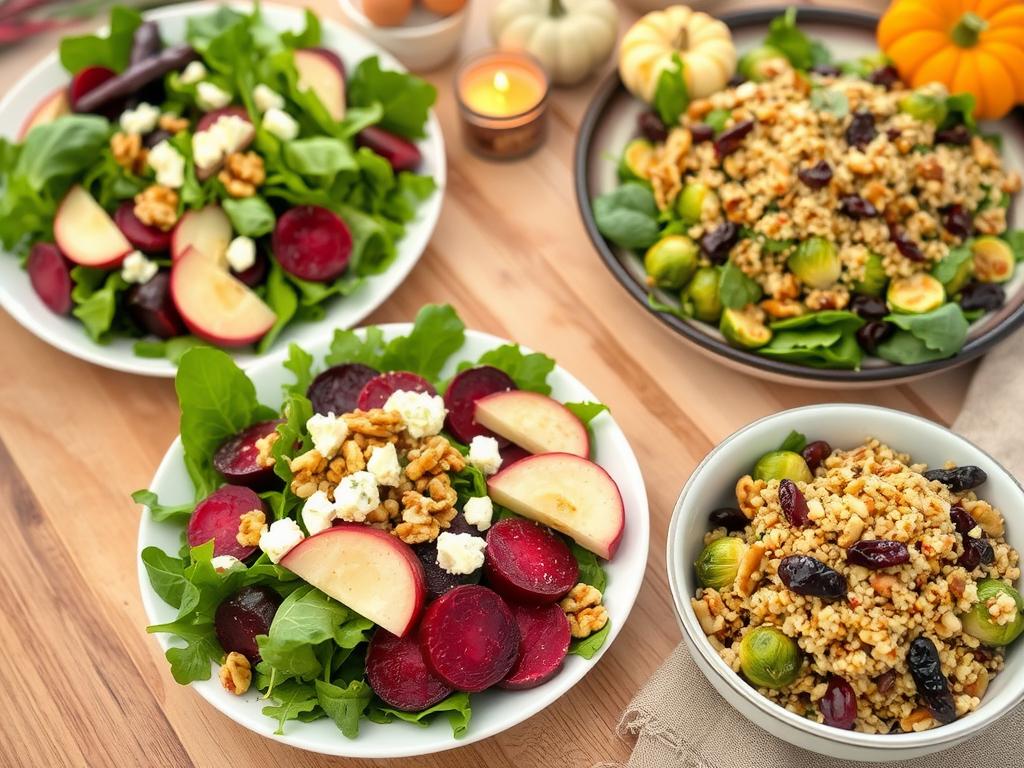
(703, 43)
(570, 38)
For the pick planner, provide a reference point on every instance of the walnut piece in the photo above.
(129, 153)
(250, 526)
(748, 489)
(264, 446)
(435, 456)
(584, 611)
(157, 206)
(747, 574)
(173, 123)
(425, 515)
(243, 172)
(236, 674)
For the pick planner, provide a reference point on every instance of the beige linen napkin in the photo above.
(680, 721)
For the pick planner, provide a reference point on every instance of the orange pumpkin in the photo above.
(973, 46)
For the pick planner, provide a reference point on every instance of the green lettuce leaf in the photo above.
(405, 99)
(528, 371)
(588, 646)
(457, 707)
(345, 706)
(628, 216)
(112, 52)
(160, 512)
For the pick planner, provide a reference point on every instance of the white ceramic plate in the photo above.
(493, 711)
(67, 334)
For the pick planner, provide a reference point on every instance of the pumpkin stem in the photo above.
(682, 41)
(968, 29)
(556, 10)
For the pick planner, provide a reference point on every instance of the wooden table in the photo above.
(82, 684)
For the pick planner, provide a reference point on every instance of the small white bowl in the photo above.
(843, 426)
(424, 42)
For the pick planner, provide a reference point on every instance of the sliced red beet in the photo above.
(151, 306)
(461, 396)
(217, 516)
(207, 120)
(378, 389)
(142, 236)
(256, 274)
(312, 243)
(397, 673)
(86, 80)
(438, 580)
(238, 458)
(469, 638)
(512, 453)
(544, 642)
(401, 154)
(242, 616)
(337, 389)
(528, 563)
(50, 275)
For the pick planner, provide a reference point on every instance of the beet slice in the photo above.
(238, 458)
(438, 580)
(528, 563)
(461, 396)
(217, 516)
(378, 389)
(397, 673)
(512, 453)
(142, 236)
(337, 389)
(543, 645)
(401, 154)
(152, 307)
(312, 243)
(256, 274)
(86, 80)
(469, 638)
(207, 120)
(242, 616)
(50, 275)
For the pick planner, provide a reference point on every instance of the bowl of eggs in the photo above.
(422, 34)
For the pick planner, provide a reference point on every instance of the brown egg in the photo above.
(387, 13)
(444, 7)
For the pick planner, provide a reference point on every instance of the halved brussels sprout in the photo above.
(874, 279)
(744, 328)
(690, 202)
(671, 261)
(960, 278)
(636, 160)
(993, 260)
(978, 622)
(720, 561)
(757, 63)
(924, 106)
(816, 263)
(915, 294)
(782, 465)
(703, 294)
(769, 658)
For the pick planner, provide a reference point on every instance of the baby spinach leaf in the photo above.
(319, 156)
(735, 289)
(947, 269)
(802, 51)
(795, 441)
(588, 646)
(591, 571)
(628, 216)
(943, 330)
(1015, 239)
(292, 700)
(405, 99)
(112, 52)
(960, 109)
(306, 618)
(822, 347)
(830, 317)
(166, 574)
(172, 349)
(160, 512)
(345, 706)
(250, 216)
(309, 37)
(905, 348)
(586, 412)
(670, 94)
(528, 371)
(457, 707)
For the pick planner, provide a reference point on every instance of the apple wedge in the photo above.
(49, 109)
(568, 493)
(207, 231)
(86, 234)
(366, 569)
(322, 72)
(215, 305)
(533, 421)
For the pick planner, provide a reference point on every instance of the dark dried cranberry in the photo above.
(155, 137)
(729, 518)
(861, 130)
(986, 296)
(886, 76)
(871, 334)
(958, 135)
(957, 220)
(977, 552)
(878, 553)
(828, 70)
(651, 127)
(735, 80)
(905, 243)
(701, 132)
(717, 243)
(794, 505)
(839, 704)
(885, 681)
(815, 453)
(932, 685)
(869, 307)
(959, 478)
(893, 133)
(807, 576)
(962, 520)
(817, 175)
(856, 207)
(731, 139)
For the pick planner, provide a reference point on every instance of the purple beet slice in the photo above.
(469, 638)
(217, 516)
(242, 616)
(378, 389)
(543, 644)
(528, 563)
(238, 458)
(461, 396)
(337, 389)
(438, 580)
(397, 673)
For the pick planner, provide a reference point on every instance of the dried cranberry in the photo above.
(962, 520)
(817, 175)
(735, 80)
(878, 553)
(808, 576)
(732, 138)
(977, 552)
(729, 518)
(957, 220)
(871, 334)
(839, 704)
(828, 70)
(815, 453)
(958, 135)
(794, 505)
(905, 243)
(861, 130)
(986, 296)
(701, 132)
(856, 207)
(959, 479)
(886, 76)
(717, 243)
(893, 133)
(651, 127)
(155, 137)
(885, 681)
(869, 307)
(932, 685)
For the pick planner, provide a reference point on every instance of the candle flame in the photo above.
(501, 81)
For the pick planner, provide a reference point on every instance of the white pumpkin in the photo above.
(570, 38)
(703, 43)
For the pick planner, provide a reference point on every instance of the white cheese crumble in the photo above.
(192, 73)
(422, 413)
(328, 433)
(168, 164)
(241, 253)
(280, 124)
(140, 120)
(136, 268)
(318, 513)
(460, 553)
(280, 538)
(223, 563)
(356, 496)
(232, 132)
(210, 96)
(266, 98)
(206, 149)
(478, 511)
(484, 454)
(384, 466)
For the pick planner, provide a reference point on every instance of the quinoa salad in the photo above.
(859, 590)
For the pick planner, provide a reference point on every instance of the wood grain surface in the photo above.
(80, 681)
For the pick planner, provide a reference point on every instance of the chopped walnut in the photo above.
(747, 575)
(425, 515)
(584, 611)
(748, 489)
(264, 446)
(436, 456)
(308, 473)
(918, 720)
(831, 298)
(851, 532)
(787, 287)
(883, 583)
(173, 123)
(989, 519)
(236, 674)
(129, 153)
(250, 526)
(1012, 183)
(157, 206)
(243, 172)
(374, 423)
(991, 221)
(783, 308)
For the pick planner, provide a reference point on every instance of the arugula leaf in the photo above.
(588, 646)
(628, 216)
(941, 333)
(591, 571)
(350, 347)
(529, 372)
(735, 289)
(405, 99)
(292, 700)
(172, 349)
(297, 411)
(670, 93)
(112, 52)
(586, 412)
(96, 302)
(250, 216)
(192, 662)
(456, 706)
(160, 512)
(166, 575)
(795, 441)
(345, 706)
(469, 482)
(802, 52)
(300, 363)
(310, 35)
(436, 335)
(306, 618)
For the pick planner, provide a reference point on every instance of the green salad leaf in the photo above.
(801, 50)
(161, 512)
(292, 699)
(591, 571)
(795, 441)
(113, 51)
(587, 647)
(670, 93)
(628, 216)
(345, 706)
(921, 338)
(405, 99)
(1015, 239)
(96, 295)
(528, 371)
(300, 363)
(457, 707)
(949, 267)
(250, 216)
(586, 412)
(818, 339)
(735, 289)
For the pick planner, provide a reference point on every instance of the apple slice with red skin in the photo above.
(570, 494)
(534, 421)
(397, 673)
(368, 570)
(323, 72)
(151, 306)
(543, 645)
(401, 154)
(217, 517)
(207, 230)
(312, 243)
(145, 237)
(49, 109)
(50, 275)
(86, 234)
(215, 305)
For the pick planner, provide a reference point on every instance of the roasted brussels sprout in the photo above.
(671, 262)
(636, 160)
(690, 202)
(874, 279)
(782, 465)
(816, 263)
(915, 294)
(743, 328)
(979, 621)
(703, 294)
(719, 562)
(924, 106)
(960, 278)
(769, 658)
(757, 63)
(993, 260)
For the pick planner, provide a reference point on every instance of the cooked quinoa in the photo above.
(869, 492)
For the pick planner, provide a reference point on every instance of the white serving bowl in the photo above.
(423, 42)
(843, 426)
